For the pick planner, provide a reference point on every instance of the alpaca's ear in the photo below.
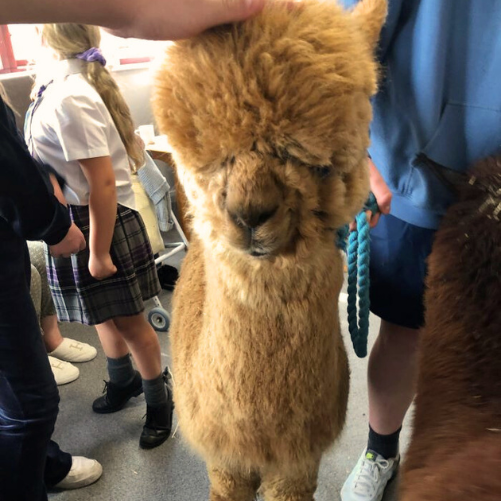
(371, 15)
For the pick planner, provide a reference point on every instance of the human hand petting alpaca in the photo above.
(148, 19)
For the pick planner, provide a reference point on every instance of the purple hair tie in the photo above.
(92, 55)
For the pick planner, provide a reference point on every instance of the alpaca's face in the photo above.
(267, 199)
(269, 121)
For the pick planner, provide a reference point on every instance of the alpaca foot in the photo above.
(288, 486)
(229, 485)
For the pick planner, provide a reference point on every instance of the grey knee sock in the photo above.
(120, 370)
(155, 392)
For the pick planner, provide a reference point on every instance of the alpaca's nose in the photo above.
(252, 217)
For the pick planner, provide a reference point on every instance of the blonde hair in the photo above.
(67, 40)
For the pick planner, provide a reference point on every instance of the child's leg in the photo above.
(145, 348)
(65, 349)
(122, 334)
(112, 341)
(51, 333)
(143, 343)
(119, 363)
(124, 382)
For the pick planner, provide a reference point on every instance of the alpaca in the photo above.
(268, 120)
(455, 452)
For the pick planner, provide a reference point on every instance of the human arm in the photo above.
(103, 212)
(81, 126)
(381, 191)
(150, 19)
(58, 192)
(27, 200)
(74, 240)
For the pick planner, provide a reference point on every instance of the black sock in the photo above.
(384, 445)
(155, 392)
(120, 370)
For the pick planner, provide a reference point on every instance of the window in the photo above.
(8, 61)
(18, 48)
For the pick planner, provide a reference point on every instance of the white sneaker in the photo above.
(83, 473)
(74, 351)
(64, 372)
(369, 478)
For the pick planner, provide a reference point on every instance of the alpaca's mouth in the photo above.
(259, 253)
(264, 242)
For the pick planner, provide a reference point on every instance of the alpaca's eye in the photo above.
(321, 171)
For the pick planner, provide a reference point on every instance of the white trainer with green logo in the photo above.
(369, 478)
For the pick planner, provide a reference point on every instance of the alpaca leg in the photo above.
(229, 485)
(290, 484)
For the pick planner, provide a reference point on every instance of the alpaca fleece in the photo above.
(269, 121)
(455, 452)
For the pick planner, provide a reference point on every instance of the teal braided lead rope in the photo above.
(358, 285)
(358, 253)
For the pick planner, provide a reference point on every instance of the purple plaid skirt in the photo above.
(79, 297)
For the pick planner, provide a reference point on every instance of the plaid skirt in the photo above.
(79, 297)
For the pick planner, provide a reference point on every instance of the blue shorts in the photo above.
(399, 251)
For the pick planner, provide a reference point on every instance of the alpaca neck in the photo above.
(251, 282)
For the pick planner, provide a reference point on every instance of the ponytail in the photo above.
(69, 41)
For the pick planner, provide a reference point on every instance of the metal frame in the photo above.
(175, 247)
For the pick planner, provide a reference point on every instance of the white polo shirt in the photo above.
(71, 123)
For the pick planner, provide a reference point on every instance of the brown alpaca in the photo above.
(455, 453)
(269, 123)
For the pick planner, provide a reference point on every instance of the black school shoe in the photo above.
(168, 276)
(158, 424)
(115, 397)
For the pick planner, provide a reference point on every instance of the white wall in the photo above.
(135, 82)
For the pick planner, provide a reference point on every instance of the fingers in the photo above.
(383, 201)
(380, 189)
(237, 10)
(82, 244)
(56, 254)
(372, 218)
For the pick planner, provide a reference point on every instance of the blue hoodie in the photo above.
(439, 99)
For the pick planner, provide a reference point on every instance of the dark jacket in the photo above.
(28, 208)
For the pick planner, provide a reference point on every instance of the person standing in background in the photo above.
(437, 111)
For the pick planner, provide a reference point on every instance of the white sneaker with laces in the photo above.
(369, 478)
(83, 473)
(64, 372)
(74, 351)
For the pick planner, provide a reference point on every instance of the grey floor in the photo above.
(172, 472)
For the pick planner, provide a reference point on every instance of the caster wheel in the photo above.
(159, 319)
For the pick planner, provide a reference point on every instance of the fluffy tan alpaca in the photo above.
(269, 123)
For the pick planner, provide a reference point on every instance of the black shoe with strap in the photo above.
(115, 397)
(158, 423)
